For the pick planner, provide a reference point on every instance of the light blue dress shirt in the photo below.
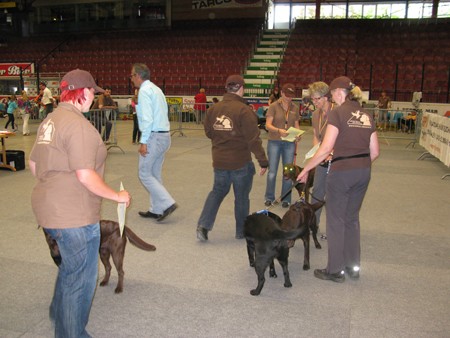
(152, 111)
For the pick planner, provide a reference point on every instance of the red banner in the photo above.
(13, 69)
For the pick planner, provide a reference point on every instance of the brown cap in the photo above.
(78, 78)
(342, 82)
(235, 79)
(288, 89)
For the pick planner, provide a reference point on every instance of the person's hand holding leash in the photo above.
(303, 176)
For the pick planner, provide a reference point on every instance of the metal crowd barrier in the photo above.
(184, 117)
(104, 120)
(395, 124)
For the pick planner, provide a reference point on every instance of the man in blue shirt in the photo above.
(153, 118)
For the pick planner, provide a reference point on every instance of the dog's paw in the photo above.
(305, 267)
(255, 292)
(252, 264)
(318, 246)
(287, 284)
(103, 283)
(273, 274)
(118, 289)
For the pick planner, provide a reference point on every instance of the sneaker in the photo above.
(323, 237)
(285, 204)
(202, 234)
(268, 203)
(338, 277)
(353, 273)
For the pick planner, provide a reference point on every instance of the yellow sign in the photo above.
(7, 4)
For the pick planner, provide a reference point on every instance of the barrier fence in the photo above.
(104, 120)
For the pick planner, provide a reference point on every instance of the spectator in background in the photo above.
(26, 110)
(351, 135)
(104, 101)
(281, 115)
(274, 95)
(3, 106)
(12, 106)
(136, 131)
(46, 99)
(384, 103)
(68, 161)
(200, 105)
(153, 116)
(232, 127)
(215, 100)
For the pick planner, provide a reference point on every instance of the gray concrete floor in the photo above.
(191, 289)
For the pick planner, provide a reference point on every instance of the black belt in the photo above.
(348, 157)
(160, 131)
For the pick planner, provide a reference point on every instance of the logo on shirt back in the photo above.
(46, 132)
(359, 120)
(223, 123)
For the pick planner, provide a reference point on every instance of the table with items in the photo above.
(4, 163)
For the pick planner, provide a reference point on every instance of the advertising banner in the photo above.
(435, 136)
(13, 69)
(208, 4)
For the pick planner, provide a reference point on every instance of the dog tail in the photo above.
(136, 241)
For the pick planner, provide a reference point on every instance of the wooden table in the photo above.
(5, 164)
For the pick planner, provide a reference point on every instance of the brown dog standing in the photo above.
(291, 171)
(111, 244)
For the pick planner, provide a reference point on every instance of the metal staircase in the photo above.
(262, 70)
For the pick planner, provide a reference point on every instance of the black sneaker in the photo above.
(268, 203)
(323, 237)
(338, 277)
(285, 204)
(353, 273)
(149, 214)
(202, 234)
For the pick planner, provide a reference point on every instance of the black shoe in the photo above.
(202, 234)
(167, 212)
(338, 277)
(285, 204)
(268, 203)
(149, 214)
(323, 237)
(353, 273)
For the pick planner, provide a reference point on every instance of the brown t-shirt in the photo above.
(282, 119)
(355, 129)
(66, 142)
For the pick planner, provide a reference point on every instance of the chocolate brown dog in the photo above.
(291, 172)
(111, 244)
(266, 241)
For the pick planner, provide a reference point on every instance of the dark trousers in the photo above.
(136, 131)
(345, 193)
(10, 120)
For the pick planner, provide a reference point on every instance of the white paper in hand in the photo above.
(311, 152)
(292, 134)
(121, 209)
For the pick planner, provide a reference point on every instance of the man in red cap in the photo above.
(68, 161)
(233, 129)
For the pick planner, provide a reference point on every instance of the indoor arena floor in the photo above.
(188, 288)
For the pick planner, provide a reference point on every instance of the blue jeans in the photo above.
(150, 167)
(242, 180)
(76, 281)
(276, 150)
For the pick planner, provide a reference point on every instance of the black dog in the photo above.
(111, 244)
(291, 172)
(266, 241)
